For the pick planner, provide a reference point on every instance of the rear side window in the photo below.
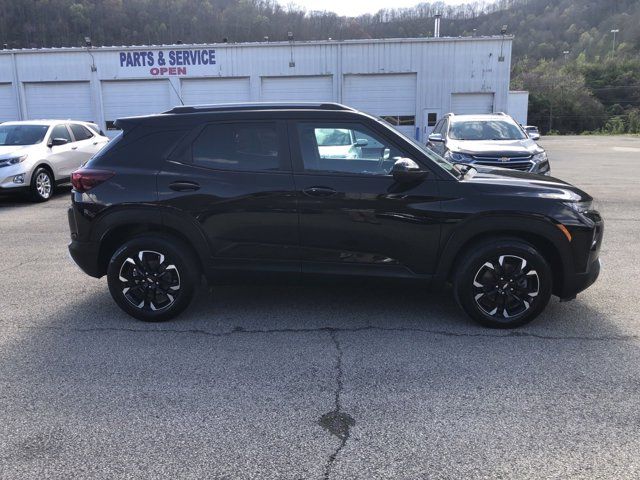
(251, 147)
(80, 132)
(144, 148)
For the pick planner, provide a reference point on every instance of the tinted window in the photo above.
(80, 132)
(22, 134)
(60, 131)
(359, 150)
(238, 146)
(485, 130)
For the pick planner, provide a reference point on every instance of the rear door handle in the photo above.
(74, 148)
(319, 191)
(184, 186)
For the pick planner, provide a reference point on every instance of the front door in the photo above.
(62, 157)
(235, 181)
(354, 217)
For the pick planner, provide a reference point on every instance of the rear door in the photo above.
(354, 217)
(87, 143)
(234, 179)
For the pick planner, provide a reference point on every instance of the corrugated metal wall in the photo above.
(442, 67)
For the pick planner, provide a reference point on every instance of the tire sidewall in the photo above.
(463, 286)
(175, 252)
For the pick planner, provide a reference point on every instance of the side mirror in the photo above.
(362, 142)
(405, 170)
(436, 137)
(54, 142)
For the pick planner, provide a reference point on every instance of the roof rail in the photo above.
(258, 106)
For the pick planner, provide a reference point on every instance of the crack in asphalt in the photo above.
(336, 421)
(243, 331)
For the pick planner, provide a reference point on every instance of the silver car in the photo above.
(38, 155)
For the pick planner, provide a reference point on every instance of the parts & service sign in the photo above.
(164, 63)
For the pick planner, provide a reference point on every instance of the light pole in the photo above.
(614, 31)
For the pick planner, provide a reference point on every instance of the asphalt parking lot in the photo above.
(311, 382)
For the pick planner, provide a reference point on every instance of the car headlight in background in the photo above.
(12, 161)
(457, 157)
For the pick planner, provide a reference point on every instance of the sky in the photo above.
(357, 7)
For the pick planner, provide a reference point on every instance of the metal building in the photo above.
(409, 82)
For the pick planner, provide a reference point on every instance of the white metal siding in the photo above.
(298, 89)
(8, 103)
(59, 100)
(383, 94)
(469, 103)
(134, 97)
(215, 90)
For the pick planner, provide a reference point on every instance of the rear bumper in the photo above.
(85, 255)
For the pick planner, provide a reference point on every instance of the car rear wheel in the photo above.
(152, 278)
(42, 185)
(503, 283)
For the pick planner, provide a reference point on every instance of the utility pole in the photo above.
(614, 31)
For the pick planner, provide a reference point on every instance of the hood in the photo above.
(525, 184)
(501, 148)
(8, 151)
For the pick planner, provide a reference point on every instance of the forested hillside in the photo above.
(563, 49)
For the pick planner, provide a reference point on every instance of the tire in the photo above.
(42, 185)
(503, 283)
(153, 278)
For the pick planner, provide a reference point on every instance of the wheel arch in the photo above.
(116, 228)
(541, 233)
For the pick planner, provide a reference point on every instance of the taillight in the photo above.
(85, 179)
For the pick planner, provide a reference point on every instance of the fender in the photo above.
(499, 224)
(157, 218)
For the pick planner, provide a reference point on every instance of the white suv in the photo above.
(37, 155)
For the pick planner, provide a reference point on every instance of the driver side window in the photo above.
(345, 148)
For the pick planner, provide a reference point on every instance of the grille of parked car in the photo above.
(523, 163)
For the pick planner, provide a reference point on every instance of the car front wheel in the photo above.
(41, 185)
(503, 283)
(152, 278)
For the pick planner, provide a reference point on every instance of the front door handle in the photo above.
(319, 191)
(74, 148)
(184, 186)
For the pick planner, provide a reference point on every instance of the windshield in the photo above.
(485, 130)
(333, 137)
(22, 134)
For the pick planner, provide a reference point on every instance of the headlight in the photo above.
(12, 161)
(457, 157)
(580, 207)
(540, 157)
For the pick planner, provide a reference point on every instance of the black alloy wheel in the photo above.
(503, 283)
(153, 278)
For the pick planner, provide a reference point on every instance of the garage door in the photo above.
(134, 97)
(389, 96)
(59, 100)
(215, 90)
(8, 103)
(470, 103)
(297, 89)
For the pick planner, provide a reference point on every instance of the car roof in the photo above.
(481, 117)
(44, 122)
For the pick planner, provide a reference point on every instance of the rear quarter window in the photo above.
(143, 148)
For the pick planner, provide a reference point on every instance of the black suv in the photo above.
(494, 140)
(264, 190)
